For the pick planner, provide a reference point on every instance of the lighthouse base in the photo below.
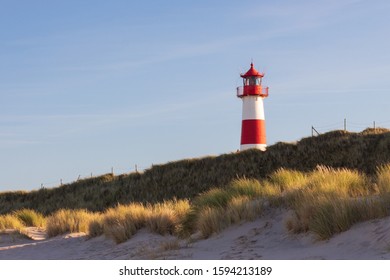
(261, 147)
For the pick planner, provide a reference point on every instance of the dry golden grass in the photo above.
(22, 218)
(122, 222)
(242, 208)
(251, 188)
(211, 220)
(68, 221)
(332, 201)
(95, 225)
(285, 179)
(343, 182)
(325, 201)
(217, 209)
(215, 197)
(10, 222)
(310, 195)
(338, 215)
(185, 179)
(163, 220)
(383, 179)
(167, 217)
(303, 203)
(30, 218)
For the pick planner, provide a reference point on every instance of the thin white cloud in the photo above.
(290, 17)
(45, 128)
(163, 53)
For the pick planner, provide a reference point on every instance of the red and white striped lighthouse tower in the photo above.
(253, 121)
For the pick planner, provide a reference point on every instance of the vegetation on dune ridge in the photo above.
(185, 179)
(324, 201)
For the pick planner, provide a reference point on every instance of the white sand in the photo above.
(265, 238)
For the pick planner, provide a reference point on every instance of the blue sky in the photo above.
(90, 85)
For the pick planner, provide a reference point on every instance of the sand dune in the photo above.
(265, 238)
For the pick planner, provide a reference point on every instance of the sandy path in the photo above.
(265, 238)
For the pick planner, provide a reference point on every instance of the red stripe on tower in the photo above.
(253, 132)
(252, 93)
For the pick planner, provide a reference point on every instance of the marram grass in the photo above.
(186, 179)
(242, 208)
(68, 221)
(95, 225)
(286, 180)
(30, 218)
(383, 179)
(332, 201)
(122, 222)
(338, 215)
(324, 201)
(343, 182)
(168, 217)
(211, 220)
(9, 221)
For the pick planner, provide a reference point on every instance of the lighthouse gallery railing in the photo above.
(256, 90)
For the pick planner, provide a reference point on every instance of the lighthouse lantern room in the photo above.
(252, 94)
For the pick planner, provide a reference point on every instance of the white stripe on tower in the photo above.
(252, 108)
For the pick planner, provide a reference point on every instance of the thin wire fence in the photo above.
(315, 131)
(346, 125)
(112, 170)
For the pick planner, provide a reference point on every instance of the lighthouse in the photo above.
(252, 94)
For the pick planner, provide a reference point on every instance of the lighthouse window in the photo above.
(252, 81)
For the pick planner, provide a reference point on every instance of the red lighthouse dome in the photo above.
(252, 84)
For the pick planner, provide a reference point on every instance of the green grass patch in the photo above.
(30, 218)
(287, 180)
